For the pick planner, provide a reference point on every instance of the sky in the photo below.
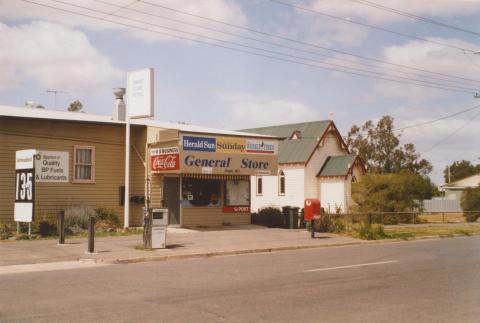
(216, 63)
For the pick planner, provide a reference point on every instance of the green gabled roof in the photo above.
(337, 165)
(298, 150)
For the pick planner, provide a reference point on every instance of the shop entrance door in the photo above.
(171, 198)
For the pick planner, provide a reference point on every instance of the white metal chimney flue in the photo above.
(119, 108)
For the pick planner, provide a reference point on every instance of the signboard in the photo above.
(262, 147)
(24, 185)
(233, 164)
(52, 166)
(191, 143)
(231, 145)
(140, 93)
(236, 209)
(164, 159)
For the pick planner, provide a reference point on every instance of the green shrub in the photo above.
(108, 216)
(45, 225)
(270, 217)
(370, 232)
(6, 231)
(330, 223)
(77, 218)
(471, 204)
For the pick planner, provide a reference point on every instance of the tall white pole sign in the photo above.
(24, 185)
(139, 105)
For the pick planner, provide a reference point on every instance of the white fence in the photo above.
(442, 205)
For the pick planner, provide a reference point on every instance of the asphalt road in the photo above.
(423, 281)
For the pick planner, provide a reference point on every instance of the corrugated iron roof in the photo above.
(337, 165)
(297, 150)
(33, 113)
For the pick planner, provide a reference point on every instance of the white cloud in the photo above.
(224, 10)
(431, 57)
(52, 55)
(250, 111)
(431, 8)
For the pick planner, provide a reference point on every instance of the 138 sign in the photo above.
(25, 185)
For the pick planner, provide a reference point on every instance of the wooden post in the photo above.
(61, 227)
(91, 235)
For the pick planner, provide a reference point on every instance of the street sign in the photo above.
(140, 93)
(24, 185)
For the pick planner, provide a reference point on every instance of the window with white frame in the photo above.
(281, 183)
(259, 185)
(84, 164)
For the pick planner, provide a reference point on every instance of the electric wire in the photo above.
(413, 16)
(277, 36)
(416, 82)
(281, 45)
(446, 138)
(321, 13)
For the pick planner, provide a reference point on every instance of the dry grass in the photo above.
(414, 231)
(442, 218)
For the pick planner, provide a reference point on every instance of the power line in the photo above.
(416, 82)
(287, 4)
(277, 36)
(421, 124)
(413, 16)
(451, 134)
(279, 45)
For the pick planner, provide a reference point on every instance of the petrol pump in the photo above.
(159, 228)
(312, 212)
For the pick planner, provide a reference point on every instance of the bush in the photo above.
(77, 218)
(329, 223)
(370, 232)
(270, 217)
(471, 204)
(45, 225)
(106, 218)
(6, 231)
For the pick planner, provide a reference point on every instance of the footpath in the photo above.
(181, 243)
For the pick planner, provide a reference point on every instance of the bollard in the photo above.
(91, 235)
(61, 227)
(312, 229)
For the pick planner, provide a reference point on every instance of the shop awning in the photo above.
(218, 176)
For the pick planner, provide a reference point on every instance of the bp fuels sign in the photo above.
(51, 166)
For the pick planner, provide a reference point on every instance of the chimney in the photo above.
(30, 104)
(119, 108)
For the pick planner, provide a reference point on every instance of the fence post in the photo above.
(61, 227)
(413, 217)
(369, 218)
(91, 235)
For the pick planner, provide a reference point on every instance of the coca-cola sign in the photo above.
(163, 159)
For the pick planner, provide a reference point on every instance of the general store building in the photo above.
(201, 174)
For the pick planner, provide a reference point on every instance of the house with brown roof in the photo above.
(313, 162)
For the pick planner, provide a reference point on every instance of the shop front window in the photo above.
(200, 192)
(237, 193)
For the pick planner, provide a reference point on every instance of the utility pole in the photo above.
(55, 96)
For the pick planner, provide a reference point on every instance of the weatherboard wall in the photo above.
(108, 140)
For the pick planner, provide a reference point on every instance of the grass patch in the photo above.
(410, 232)
(141, 247)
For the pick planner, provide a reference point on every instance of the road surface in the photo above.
(421, 281)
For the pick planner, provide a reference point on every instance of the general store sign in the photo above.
(24, 185)
(52, 166)
(165, 159)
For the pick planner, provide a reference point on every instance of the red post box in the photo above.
(311, 209)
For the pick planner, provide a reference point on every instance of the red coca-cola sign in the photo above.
(165, 162)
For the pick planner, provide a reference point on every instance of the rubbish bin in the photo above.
(287, 214)
(296, 218)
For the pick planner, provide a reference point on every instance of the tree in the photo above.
(399, 192)
(459, 170)
(471, 203)
(380, 149)
(75, 106)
